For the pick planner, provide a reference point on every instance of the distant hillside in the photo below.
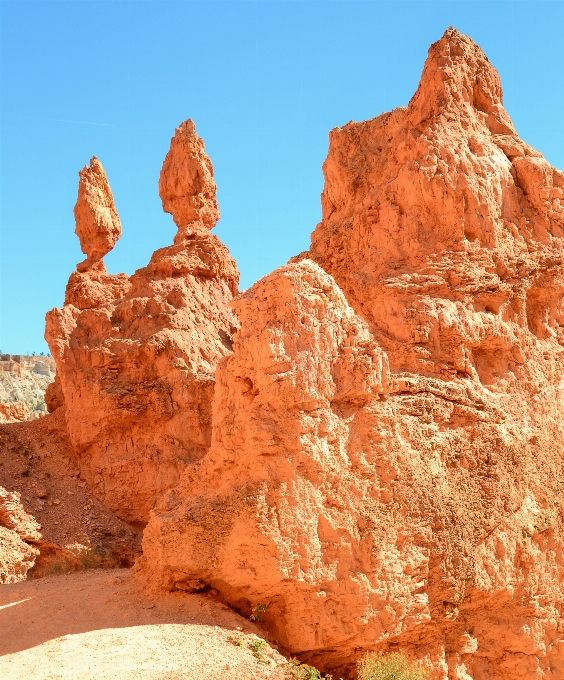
(23, 381)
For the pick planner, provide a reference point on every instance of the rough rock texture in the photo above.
(97, 222)
(39, 468)
(23, 383)
(15, 412)
(419, 505)
(15, 518)
(443, 228)
(17, 557)
(136, 359)
(186, 185)
(98, 227)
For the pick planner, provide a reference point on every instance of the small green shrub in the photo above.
(305, 672)
(259, 647)
(26, 473)
(394, 666)
(236, 640)
(258, 612)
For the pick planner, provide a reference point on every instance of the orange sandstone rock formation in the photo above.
(17, 556)
(98, 227)
(136, 356)
(16, 412)
(443, 228)
(97, 223)
(386, 464)
(186, 185)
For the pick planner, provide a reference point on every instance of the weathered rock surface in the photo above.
(386, 465)
(443, 228)
(98, 227)
(16, 412)
(97, 222)
(23, 382)
(136, 356)
(15, 518)
(17, 556)
(38, 467)
(186, 185)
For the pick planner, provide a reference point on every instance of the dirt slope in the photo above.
(77, 531)
(99, 624)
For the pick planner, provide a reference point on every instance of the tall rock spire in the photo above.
(136, 356)
(186, 185)
(97, 222)
(459, 80)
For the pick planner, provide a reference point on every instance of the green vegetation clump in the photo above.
(305, 672)
(394, 666)
(258, 612)
(236, 640)
(258, 647)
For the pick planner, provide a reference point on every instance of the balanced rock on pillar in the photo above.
(186, 185)
(97, 222)
(136, 356)
(98, 228)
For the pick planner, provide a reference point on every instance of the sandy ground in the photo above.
(100, 624)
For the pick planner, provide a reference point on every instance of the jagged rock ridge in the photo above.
(419, 506)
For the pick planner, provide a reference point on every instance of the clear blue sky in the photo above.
(264, 82)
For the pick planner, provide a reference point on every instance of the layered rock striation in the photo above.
(386, 464)
(136, 356)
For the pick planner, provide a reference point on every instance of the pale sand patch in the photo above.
(99, 624)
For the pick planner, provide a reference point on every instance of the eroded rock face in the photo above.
(136, 356)
(97, 222)
(15, 518)
(387, 464)
(186, 185)
(15, 412)
(17, 527)
(443, 228)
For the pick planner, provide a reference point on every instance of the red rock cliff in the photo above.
(136, 356)
(386, 465)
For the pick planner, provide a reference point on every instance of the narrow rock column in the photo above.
(97, 222)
